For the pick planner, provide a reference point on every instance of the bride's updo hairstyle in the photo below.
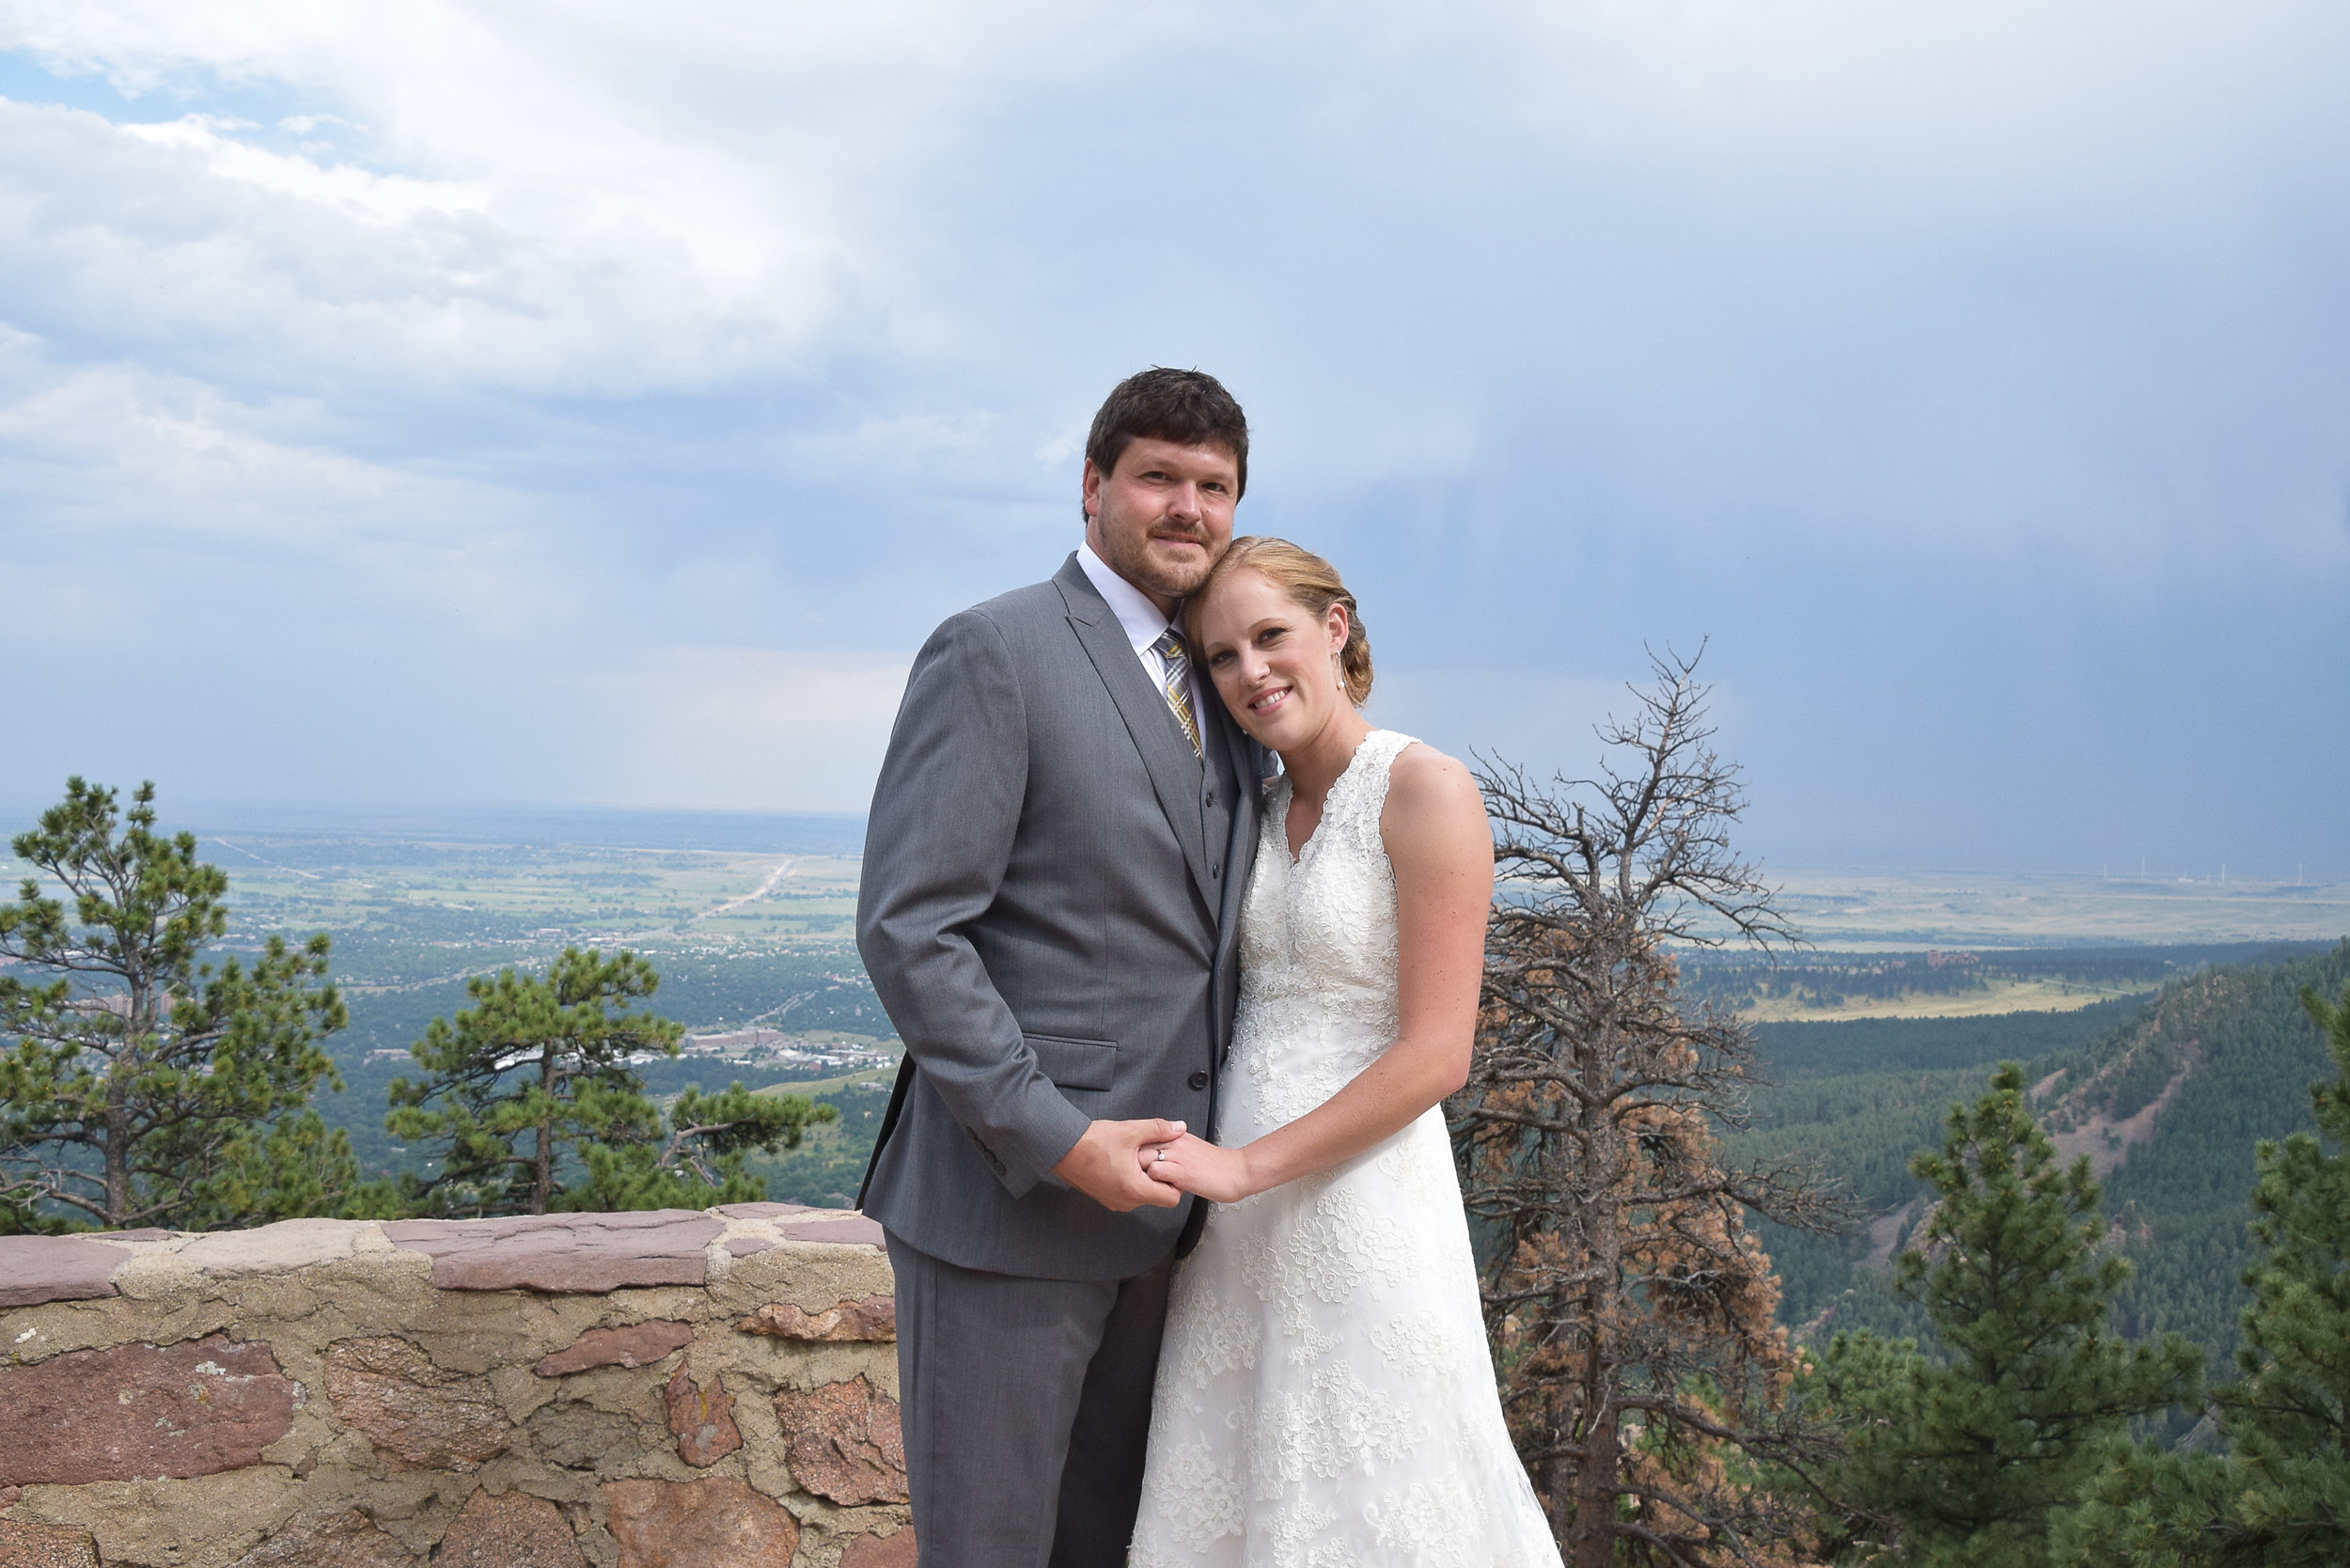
(1306, 578)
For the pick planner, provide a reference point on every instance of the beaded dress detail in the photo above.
(1324, 1397)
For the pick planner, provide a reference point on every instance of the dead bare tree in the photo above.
(1630, 1308)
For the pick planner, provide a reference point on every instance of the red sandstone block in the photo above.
(640, 1344)
(572, 1253)
(844, 1226)
(33, 1269)
(697, 1524)
(24, 1546)
(894, 1550)
(141, 1411)
(844, 1442)
(515, 1530)
(762, 1211)
(702, 1417)
(424, 1417)
(872, 1319)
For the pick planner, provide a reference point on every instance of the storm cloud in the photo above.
(598, 403)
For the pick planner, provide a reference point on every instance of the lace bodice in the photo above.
(1324, 1398)
(1317, 945)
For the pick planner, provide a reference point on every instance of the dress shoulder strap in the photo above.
(1361, 794)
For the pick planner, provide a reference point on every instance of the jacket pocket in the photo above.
(1075, 1063)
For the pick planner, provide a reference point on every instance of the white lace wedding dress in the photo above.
(1324, 1397)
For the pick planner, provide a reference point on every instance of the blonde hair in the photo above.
(1308, 580)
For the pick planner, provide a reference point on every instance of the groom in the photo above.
(1051, 896)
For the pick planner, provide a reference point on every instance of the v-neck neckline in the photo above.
(1297, 857)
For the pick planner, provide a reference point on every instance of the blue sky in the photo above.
(597, 403)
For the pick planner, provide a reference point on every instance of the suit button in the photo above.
(1197, 1080)
(1215, 871)
(1211, 800)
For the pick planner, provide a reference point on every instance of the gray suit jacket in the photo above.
(1049, 911)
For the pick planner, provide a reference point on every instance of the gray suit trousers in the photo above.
(1026, 1408)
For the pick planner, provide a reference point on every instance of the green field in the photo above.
(2016, 909)
(447, 896)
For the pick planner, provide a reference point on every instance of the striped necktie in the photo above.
(1176, 661)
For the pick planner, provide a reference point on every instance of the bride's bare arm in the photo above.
(1434, 829)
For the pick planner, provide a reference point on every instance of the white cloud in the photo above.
(371, 197)
(581, 198)
(116, 454)
(186, 241)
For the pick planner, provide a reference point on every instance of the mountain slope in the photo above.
(2168, 1099)
(2182, 1197)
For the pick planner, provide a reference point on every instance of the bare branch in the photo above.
(1624, 1291)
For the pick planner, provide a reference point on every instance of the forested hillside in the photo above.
(2182, 1197)
(2231, 1047)
(1862, 1097)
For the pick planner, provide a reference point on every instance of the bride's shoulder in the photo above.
(1429, 791)
(1421, 770)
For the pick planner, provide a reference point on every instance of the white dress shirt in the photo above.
(1143, 623)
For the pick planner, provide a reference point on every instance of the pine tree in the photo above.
(2279, 1498)
(532, 1084)
(1631, 1309)
(1970, 1454)
(139, 1085)
(703, 1161)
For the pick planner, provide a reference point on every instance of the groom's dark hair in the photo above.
(1187, 407)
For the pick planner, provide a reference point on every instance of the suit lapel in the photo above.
(1238, 766)
(1242, 759)
(1166, 756)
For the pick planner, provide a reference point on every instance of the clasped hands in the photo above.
(1124, 1165)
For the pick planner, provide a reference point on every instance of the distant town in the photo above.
(793, 1054)
(772, 1051)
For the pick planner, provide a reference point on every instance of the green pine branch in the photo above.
(532, 1086)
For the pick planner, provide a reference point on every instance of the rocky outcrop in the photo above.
(714, 1390)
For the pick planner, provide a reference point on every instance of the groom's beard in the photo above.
(1136, 563)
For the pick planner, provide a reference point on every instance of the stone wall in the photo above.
(668, 1390)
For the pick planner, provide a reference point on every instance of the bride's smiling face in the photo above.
(1274, 661)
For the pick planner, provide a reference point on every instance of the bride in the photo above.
(1324, 1398)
